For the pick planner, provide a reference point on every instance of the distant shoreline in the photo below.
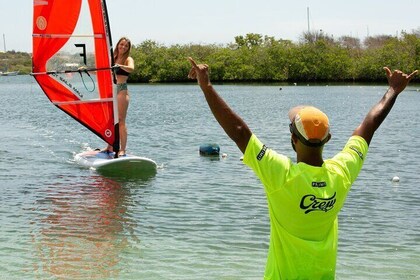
(254, 58)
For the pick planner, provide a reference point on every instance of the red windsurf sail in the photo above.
(72, 62)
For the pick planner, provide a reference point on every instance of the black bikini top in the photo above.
(121, 72)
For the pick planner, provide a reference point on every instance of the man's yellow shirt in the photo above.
(303, 203)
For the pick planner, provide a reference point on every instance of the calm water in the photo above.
(197, 218)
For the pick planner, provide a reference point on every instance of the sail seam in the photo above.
(82, 101)
(46, 35)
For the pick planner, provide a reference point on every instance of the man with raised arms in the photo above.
(304, 198)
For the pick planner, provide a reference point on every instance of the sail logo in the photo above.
(41, 23)
(311, 203)
(67, 83)
(108, 133)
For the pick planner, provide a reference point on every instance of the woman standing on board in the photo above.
(125, 65)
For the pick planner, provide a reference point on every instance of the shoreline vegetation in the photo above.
(256, 58)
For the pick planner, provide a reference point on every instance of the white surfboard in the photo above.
(128, 165)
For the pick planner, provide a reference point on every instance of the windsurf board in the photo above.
(124, 165)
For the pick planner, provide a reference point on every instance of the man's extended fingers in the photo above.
(388, 72)
(413, 74)
(192, 62)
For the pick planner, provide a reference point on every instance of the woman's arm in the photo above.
(128, 66)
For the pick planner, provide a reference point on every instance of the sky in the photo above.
(171, 22)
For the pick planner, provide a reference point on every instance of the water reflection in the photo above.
(83, 230)
(129, 175)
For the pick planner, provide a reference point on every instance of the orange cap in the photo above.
(311, 123)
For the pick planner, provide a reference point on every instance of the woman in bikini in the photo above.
(125, 65)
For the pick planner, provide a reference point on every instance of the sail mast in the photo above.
(116, 144)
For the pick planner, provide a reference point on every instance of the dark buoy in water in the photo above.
(209, 150)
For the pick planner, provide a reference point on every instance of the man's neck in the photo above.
(311, 159)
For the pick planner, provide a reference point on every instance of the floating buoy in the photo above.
(395, 179)
(209, 150)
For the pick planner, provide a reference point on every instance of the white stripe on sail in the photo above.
(68, 35)
(40, 3)
(83, 101)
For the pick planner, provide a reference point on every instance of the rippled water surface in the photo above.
(197, 218)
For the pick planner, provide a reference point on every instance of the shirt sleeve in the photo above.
(352, 157)
(270, 167)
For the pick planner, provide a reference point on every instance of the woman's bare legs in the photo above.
(123, 101)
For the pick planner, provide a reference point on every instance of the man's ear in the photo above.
(328, 137)
(294, 138)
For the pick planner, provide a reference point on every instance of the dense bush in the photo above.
(257, 58)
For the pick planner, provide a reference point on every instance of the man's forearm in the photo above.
(232, 124)
(381, 110)
(376, 116)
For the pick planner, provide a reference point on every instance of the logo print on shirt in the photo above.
(357, 151)
(312, 203)
(261, 153)
(319, 184)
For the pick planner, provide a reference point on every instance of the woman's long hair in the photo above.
(117, 52)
